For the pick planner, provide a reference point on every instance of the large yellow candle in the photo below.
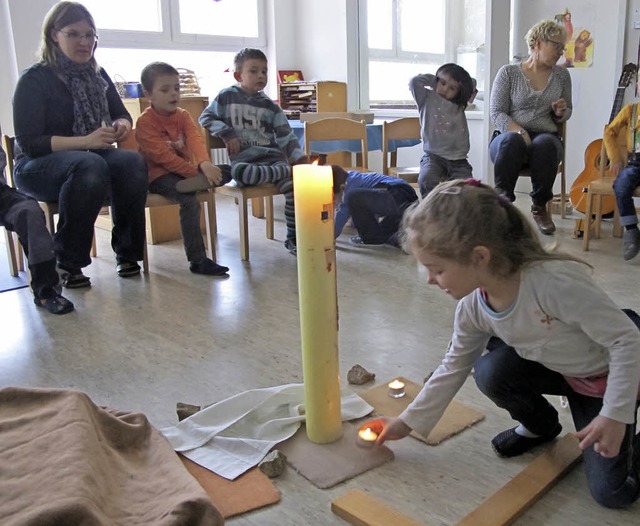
(313, 195)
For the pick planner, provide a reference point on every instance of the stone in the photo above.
(358, 375)
(273, 464)
(186, 410)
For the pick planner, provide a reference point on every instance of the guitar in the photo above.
(591, 172)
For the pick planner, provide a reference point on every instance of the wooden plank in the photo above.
(361, 509)
(527, 487)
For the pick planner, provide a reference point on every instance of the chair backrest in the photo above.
(399, 129)
(8, 143)
(217, 148)
(337, 129)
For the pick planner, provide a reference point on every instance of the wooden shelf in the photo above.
(306, 97)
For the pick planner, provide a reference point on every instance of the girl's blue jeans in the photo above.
(518, 385)
(82, 182)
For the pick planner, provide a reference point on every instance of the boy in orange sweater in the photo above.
(175, 152)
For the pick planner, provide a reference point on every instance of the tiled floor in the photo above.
(145, 343)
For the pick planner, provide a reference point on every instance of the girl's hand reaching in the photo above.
(387, 429)
(604, 434)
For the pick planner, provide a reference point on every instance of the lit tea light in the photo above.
(366, 437)
(396, 389)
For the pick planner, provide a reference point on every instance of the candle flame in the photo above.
(367, 434)
(315, 163)
(396, 384)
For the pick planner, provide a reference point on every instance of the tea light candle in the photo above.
(396, 389)
(366, 437)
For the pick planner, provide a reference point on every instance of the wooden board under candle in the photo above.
(455, 419)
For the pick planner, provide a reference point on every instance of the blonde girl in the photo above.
(548, 329)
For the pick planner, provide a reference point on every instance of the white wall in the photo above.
(19, 45)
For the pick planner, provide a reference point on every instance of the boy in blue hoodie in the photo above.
(261, 145)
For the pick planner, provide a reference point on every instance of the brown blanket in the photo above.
(63, 460)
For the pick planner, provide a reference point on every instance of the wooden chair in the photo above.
(603, 187)
(50, 208)
(526, 172)
(14, 253)
(405, 128)
(260, 195)
(206, 198)
(15, 257)
(337, 129)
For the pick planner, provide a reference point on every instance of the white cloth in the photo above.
(232, 436)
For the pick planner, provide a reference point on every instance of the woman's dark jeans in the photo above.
(517, 385)
(82, 182)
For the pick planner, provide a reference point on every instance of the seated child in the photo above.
(261, 145)
(627, 178)
(23, 215)
(376, 203)
(175, 152)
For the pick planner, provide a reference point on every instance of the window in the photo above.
(401, 38)
(200, 35)
(229, 24)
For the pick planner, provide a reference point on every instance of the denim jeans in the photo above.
(435, 169)
(623, 186)
(369, 205)
(23, 215)
(82, 182)
(510, 154)
(517, 385)
(189, 215)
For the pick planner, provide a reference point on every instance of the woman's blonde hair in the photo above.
(459, 215)
(61, 15)
(546, 30)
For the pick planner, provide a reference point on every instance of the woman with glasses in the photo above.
(67, 118)
(529, 101)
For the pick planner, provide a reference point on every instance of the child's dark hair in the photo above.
(154, 70)
(339, 177)
(245, 54)
(462, 77)
(459, 215)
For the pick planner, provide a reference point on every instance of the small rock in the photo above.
(273, 464)
(186, 410)
(358, 375)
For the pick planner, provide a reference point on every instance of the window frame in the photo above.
(172, 38)
(452, 10)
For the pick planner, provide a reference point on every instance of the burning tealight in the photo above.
(396, 389)
(366, 437)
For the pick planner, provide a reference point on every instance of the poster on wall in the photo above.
(580, 43)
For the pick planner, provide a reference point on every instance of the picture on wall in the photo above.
(289, 75)
(579, 47)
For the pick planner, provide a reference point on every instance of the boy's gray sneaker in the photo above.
(630, 244)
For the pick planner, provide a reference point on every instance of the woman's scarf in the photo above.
(89, 92)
